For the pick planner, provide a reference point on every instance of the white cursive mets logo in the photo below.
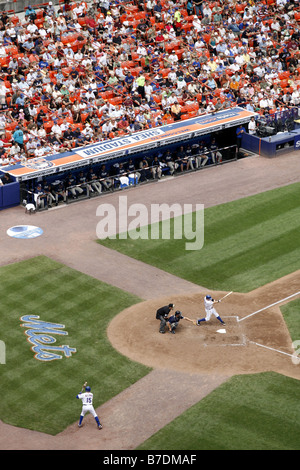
(40, 333)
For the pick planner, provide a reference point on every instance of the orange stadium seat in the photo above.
(48, 126)
(82, 20)
(117, 100)
(4, 61)
(284, 75)
(284, 83)
(135, 57)
(129, 64)
(39, 13)
(15, 19)
(240, 8)
(107, 94)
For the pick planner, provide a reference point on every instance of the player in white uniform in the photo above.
(87, 406)
(210, 310)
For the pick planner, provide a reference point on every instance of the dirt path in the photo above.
(206, 351)
(75, 226)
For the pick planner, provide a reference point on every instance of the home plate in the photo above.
(232, 335)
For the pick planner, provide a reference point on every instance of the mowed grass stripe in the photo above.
(248, 268)
(247, 243)
(238, 216)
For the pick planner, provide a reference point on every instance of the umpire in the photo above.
(162, 314)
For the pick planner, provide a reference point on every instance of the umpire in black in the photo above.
(162, 314)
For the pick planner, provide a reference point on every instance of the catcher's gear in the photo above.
(178, 312)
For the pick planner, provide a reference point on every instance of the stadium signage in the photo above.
(297, 144)
(115, 144)
(39, 334)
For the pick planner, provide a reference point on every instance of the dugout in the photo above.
(144, 144)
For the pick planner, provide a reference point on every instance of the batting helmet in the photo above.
(87, 389)
(208, 297)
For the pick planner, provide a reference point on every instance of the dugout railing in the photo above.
(116, 182)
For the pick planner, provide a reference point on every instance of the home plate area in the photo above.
(214, 334)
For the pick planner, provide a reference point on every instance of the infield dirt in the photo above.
(209, 358)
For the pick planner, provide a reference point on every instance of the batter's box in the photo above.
(215, 334)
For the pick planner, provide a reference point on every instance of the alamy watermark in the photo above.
(157, 221)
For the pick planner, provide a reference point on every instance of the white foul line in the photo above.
(269, 306)
(272, 349)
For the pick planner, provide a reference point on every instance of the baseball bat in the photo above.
(225, 296)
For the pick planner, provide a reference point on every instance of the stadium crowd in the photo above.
(78, 73)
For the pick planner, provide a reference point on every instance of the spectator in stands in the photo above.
(18, 137)
(252, 126)
(198, 5)
(30, 13)
(254, 61)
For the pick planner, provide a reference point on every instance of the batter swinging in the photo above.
(210, 310)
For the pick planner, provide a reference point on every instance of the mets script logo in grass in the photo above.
(40, 333)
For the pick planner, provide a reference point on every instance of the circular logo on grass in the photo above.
(24, 231)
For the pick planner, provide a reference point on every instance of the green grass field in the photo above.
(249, 412)
(247, 243)
(254, 412)
(42, 395)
